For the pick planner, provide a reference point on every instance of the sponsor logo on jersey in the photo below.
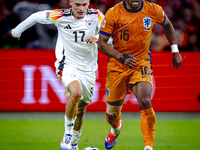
(147, 22)
(124, 24)
(68, 27)
(103, 23)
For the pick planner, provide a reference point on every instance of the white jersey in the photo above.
(71, 48)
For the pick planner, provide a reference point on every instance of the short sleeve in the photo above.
(108, 23)
(160, 14)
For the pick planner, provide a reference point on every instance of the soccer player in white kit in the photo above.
(76, 64)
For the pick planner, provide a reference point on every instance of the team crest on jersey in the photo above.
(103, 23)
(73, 75)
(89, 23)
(147, 22)
(107, 92)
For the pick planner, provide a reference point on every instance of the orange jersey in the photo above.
(131, 31)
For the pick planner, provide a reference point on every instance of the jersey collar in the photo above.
(124, 3)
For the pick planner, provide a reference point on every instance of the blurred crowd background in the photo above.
(184, 15)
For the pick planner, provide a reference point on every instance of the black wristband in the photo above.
(122, 59)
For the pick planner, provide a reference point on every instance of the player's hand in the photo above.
(91, 39)
(13, 36)
(176, 59)
(130, 62)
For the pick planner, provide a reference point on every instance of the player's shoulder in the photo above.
(67, 12)
(95, 14)
(60, 12)
(57, 14)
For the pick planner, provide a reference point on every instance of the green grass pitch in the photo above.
(44, 131)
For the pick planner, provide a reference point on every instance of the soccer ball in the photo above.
(90, 148)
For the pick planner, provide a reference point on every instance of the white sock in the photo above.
(75, 136)
(69, 125)
(116, 130)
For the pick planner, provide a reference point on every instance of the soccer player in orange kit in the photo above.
(129, 69)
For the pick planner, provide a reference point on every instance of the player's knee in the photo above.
(145, 103)
(76, 95)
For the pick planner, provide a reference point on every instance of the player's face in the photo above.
(79, 8)
(133, 4)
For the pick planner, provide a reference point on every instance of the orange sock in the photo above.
(115, 122)
(148, 123)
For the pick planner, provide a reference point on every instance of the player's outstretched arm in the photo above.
(170, 34)
(38, 17)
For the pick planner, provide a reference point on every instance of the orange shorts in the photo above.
(118, 83)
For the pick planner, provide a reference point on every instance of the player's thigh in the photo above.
(141, 85)
(87, 80)
(70, 77)
(142, 90)
(116, 86)
(141, 81)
